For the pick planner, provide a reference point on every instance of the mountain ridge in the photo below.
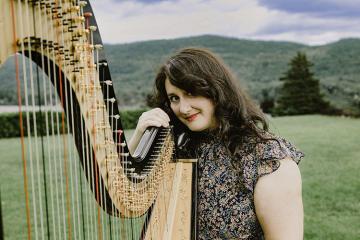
(257, 64)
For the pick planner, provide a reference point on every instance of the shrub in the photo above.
(10, 127)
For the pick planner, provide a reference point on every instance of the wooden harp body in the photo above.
(95, 189)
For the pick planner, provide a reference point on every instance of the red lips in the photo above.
(192, 117)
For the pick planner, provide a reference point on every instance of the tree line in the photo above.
(299, 93)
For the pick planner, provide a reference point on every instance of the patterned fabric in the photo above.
(226, 185)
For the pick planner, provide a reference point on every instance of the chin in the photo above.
(197, 127)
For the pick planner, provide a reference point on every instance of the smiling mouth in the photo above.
(192, 117)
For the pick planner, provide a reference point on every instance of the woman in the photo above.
(249, 182)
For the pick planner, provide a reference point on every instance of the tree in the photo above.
(267, 101)
(300, 92)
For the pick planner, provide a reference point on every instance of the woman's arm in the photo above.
(278, 203)
(152, 118)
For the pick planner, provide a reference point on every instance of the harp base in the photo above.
(171, 214)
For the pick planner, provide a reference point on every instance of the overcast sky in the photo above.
(312, 22)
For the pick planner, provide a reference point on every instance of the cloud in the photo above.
(140, 20)
(142, 1)
(307, 28)
(150, 1)
(325, 8)
(133, 20)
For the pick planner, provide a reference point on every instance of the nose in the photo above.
(185, 106)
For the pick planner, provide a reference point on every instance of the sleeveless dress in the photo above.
(225, 205)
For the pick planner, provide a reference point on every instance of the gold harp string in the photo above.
(28, 124)
(131, 196)
(23, 156)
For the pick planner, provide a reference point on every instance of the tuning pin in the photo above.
(93, 28)
(108, 82)
(88, 14)
(98, 46)
(117, 116)
(82, 3)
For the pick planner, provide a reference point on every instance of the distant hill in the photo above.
(258, 65)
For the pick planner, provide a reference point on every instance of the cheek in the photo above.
(211, 112)
(175, 110)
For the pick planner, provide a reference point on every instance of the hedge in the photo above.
(9, 122)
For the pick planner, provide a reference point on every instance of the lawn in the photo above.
(330, 173)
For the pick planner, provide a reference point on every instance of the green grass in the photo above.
(329, 170)
(13, 197)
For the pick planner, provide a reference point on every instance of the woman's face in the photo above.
(196, 112)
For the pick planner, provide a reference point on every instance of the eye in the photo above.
(173, 99)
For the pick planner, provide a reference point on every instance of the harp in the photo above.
(79, 180)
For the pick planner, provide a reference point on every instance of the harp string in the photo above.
(85, 210)
(84, 202)
(104, 82)
(42, 120)
(65, 103)
(86, 157)
(63, 99)
(120, 222)
(28, 124)
(99, 186)
(89, 91)
(60, 201)
(37, 150)
(70, 130)
(94, 118)
(106, 219)
(120, 230)
(48, 109)
(76, 177)
(73, 210)
(37, 172)
(55, 157)
(23, 156)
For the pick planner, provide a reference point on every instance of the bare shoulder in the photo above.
(287, 176)
(278, 202)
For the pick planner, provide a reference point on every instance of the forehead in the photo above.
(171, 89)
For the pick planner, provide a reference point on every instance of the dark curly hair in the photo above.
(200, 72)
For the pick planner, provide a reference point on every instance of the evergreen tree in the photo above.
(300, 93)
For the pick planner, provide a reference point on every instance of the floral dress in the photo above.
(225, 206)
